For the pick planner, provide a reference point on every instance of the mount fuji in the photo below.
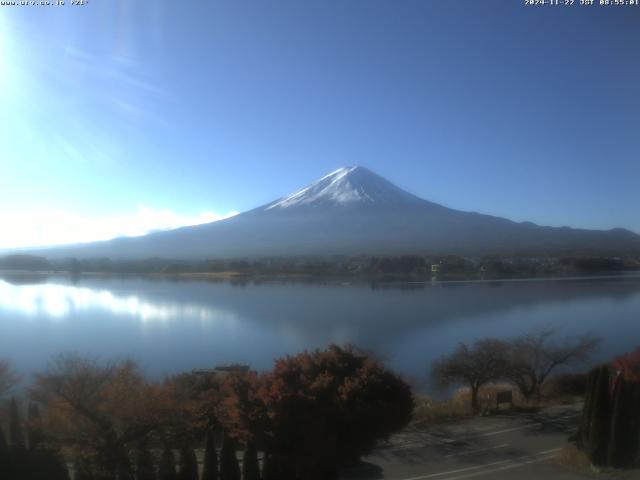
(355, 211)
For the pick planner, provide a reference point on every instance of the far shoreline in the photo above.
(235, 276)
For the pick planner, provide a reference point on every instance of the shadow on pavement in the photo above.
(362, 470)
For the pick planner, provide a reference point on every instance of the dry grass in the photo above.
(428, 410)
(576, 460)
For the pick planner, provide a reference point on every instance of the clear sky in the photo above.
(119, 117)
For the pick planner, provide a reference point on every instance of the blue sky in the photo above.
(119, 117)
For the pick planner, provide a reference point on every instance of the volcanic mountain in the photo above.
(352, 211)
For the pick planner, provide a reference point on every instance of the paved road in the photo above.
(505, 446)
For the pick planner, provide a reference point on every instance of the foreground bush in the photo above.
(328, 408)
(311, 415)
(103, 412)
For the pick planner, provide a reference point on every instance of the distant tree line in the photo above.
(24, 262)
(314, 413)
(391, 266)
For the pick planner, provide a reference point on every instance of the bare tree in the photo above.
(474, 366)
(533, 356)
(8, 378)
(99, 409)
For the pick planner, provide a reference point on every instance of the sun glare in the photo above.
(11, 74)
(5, 64)
(3, 54)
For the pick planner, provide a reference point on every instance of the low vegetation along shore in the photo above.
(311, 415)
(402, 267)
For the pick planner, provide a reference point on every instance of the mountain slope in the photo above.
(348, 186)
(352, 211)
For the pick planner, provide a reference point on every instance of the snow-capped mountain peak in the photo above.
(353, 211)
(346, 186)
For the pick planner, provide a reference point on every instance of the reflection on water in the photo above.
(172, 326)
(58, 301)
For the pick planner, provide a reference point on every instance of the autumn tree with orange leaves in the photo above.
(196, 400)
(311, 415)
(327, 408)
(242, 411)
(629, 365)
(102, 412)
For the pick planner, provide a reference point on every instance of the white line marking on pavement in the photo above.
(505, 430)
(476, 467)
(469, 452)
(504, 467)
(408, 446)
(438, 440)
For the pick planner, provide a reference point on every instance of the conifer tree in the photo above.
(268, 467)
(4, 455)
(125, 470)
(229, 469)
(19, 463)
(210, 468)
(59, 470)
(145, 465)
(623, 443)
(616, 448)
(188, 464)
(83, 469)
(600, 418)
(167, 467)
(610, 425)
(250, 466)
(44, 462)
(587, 409)
(273, 468)
(49, 465)
(33, 427)
(634, 419)
(16, 435)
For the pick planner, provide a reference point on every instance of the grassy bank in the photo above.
(559, 390)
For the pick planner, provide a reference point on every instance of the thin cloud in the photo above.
(56, 227)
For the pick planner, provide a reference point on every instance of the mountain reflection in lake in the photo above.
(172, 326)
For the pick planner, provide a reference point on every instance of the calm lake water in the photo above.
(172, 326)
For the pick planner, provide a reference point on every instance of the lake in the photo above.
(171, 326)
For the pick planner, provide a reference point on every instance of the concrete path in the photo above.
(504, 446)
